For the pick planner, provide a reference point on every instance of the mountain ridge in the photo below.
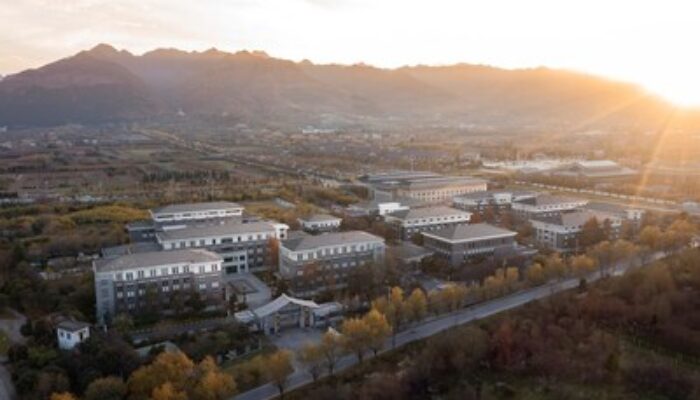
(104, 84)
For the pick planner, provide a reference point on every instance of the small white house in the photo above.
(72, 333)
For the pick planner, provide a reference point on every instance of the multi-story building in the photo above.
(460, 243)
(545, 205)
(245, 247)
(411, 222)
(320, 223)
(196, 211)
(160, 281)
(424, 186)
(478, 202)
(312, 264)
(632, 215)
(561, 232)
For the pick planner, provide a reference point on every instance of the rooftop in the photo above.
(131, 248)
(466, 233)
(193, 207)
(574, 219)
(427, 212)
(155, 258)
(223, 227)
(279, 303)
(72, 326)
(320, 218)
(548, 199)
(408, 251)
(308, 242)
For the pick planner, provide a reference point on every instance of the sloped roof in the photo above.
(194, 207)
(309, 242)
(279, 303)
(427, 212)
(465, 233)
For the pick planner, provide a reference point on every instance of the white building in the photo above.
(243, 246)
(561, 232)
(71, 334)
(135, 282)
(416, 220)
(320, 223)
(545, 205)
(196, 211)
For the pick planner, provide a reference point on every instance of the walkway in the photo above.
(444, 322)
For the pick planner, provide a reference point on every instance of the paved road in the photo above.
(444, 322)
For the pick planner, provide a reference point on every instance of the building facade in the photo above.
(311, 264)
(562, 232)
(410, 223)
(460, 243)
(196, 211)
(545, 205)
(160, 281)
(498, 200)
(320, 223)
(427, 187)
(244, 247)
(71, 333)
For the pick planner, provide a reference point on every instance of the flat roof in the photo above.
(548, 199)
(576, 218)
(320, 218)
(224, 227)
(309, 242)
(427, 212)
(194, 207)
(466, 233)
(156, 258)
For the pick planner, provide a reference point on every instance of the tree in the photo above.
(278, 367)
(311, 355)
(173, 374)
(109, 388)
(650, 237)
(167, 391)
(356, 336)
(123, 323)
(592, 233)
(416, 305)
(332, 349)
(379, 329)
(535, 274)
(582, 265)
(554, 266)
(63, 396)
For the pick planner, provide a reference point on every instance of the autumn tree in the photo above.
(278, 367)
(554, 266)
(592, 233)
(63, 396)
(108, 388)
(535, 274)
(416, 305)
(356, 336)
(582, 264)
(312, 357)
(167, 391)
(650, 237)
(332, 349)
(379, 329)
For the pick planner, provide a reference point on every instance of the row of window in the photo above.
(221, 240)
(164, 271)
(310, 255)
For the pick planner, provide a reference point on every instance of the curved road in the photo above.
(441, 323)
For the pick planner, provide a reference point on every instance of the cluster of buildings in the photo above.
(206, 253)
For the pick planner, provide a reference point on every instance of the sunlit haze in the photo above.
(653, 43)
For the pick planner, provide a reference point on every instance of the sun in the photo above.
(681, 90)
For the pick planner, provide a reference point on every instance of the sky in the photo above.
(653, 43)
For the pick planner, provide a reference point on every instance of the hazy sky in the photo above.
(655, 43)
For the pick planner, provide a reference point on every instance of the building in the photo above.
(414, 221)
(245, 247)
(196, 211)
(630, 214)
(71, 333)
(320, 223)
(374, 208)
(409, 254)
(312, 264)
(424, 186)
(156, 281)
(497, 200)
(596, 170)
(545, 205)
(562, 232)
(289, 312)
(460, 243)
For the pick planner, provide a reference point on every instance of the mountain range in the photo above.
(104, 84)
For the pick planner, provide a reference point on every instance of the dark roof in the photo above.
(193, 207)
(408, 251)
(426, 212)
(465, 233)
(547, 199)
(72, 326)
(309, 242)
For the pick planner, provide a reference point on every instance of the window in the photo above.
(129, 276)
(163, 271)
(141, 274)
(152, 273)
(201, 269)
(175, 270)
